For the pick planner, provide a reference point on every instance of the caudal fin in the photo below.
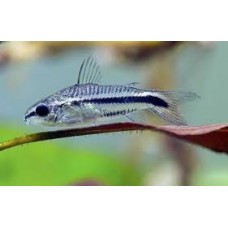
(173, 99)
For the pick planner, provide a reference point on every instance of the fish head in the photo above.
(55, 111)
(42, 113)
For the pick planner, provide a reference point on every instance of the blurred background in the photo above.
(30, 71)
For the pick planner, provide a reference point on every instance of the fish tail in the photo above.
(166, 105)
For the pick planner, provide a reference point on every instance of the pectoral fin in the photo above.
(71, 114)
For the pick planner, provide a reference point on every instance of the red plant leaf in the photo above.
(214, 137)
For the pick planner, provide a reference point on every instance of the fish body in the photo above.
(89, 103)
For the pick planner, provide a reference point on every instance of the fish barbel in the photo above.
(89, 103)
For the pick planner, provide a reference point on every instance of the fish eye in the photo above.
(42, 110)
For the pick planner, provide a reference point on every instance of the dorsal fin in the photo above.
(89, 72)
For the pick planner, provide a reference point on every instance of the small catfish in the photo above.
(89, 103)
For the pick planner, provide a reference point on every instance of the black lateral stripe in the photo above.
(133, 99)
(123, 112)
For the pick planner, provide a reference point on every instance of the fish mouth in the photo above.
(26, 120)
(28, 117)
